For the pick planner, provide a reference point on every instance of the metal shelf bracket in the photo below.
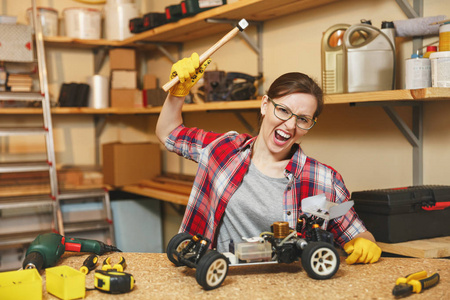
(255, 46)
(413, 135)
(414, 11)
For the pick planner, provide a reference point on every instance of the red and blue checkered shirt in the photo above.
(223, 162)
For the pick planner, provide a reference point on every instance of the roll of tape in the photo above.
(98, 92)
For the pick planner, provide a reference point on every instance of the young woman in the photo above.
(244, 184)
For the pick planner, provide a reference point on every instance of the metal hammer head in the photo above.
(242, 24)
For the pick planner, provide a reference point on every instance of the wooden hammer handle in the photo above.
(205, 55)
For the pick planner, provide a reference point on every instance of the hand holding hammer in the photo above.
(242, 24)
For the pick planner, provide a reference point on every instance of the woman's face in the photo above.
(278, 135)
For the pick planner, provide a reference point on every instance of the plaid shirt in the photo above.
(223, 162)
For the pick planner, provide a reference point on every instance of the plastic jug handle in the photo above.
(373, 32)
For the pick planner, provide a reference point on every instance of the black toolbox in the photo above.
(403, 214)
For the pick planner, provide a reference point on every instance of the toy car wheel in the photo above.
(211, 270)
(320, 260)
(176, 244)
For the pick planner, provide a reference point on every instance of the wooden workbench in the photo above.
(157, 278)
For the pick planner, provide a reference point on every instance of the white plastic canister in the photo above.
(369, 59)
(440, 69)
(83, 23)
(117, 18)
(49, 20)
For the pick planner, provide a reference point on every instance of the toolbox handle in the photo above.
(437, 206)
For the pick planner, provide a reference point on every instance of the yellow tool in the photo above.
(112, 279)
(414, 283)
(113, 282)
(89, 264)
(120, 266)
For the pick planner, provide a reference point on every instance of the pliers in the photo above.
(414, 283)
(119, 267)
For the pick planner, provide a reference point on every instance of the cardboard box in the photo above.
(129, 163)
(150, 82)
(154, 97)
(126, 98)
(123, 79)
(122, 59)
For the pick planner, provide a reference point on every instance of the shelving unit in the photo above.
(406, 96)
(194, 27)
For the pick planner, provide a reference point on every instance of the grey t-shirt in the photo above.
(253, 208)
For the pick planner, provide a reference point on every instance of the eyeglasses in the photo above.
(284, 113)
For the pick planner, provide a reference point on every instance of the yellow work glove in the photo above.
(189, 72)
(362, 250)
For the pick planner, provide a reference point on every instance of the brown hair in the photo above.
(296, 82)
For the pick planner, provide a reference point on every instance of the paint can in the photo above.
(83, 23)
(417, 73)
(49, 20)
(440, 69)
(117, 19)
(444, 37)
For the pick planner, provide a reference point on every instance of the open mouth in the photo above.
(282, 136)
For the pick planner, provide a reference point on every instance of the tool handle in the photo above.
(120, 266)
(89, 264)
(429, 281)
(205, 55)
(85, 245)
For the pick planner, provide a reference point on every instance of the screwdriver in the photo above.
(89, 264)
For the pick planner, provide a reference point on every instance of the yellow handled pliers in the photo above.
(414, 283)
(119, 267)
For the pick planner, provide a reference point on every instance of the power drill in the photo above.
(47, 249)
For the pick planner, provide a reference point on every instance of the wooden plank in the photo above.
(426, 248)
(174, 181)
(195, 27)
(166, 186)
(171, 197)
(428, 94)
(69, 42)
(392, 95)
(25, 190)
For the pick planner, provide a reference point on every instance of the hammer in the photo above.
(242, 24)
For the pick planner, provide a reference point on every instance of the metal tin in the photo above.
(417, 73)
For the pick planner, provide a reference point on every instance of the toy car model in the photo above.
(282, 244)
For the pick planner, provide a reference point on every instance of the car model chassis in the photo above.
(282, 244)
